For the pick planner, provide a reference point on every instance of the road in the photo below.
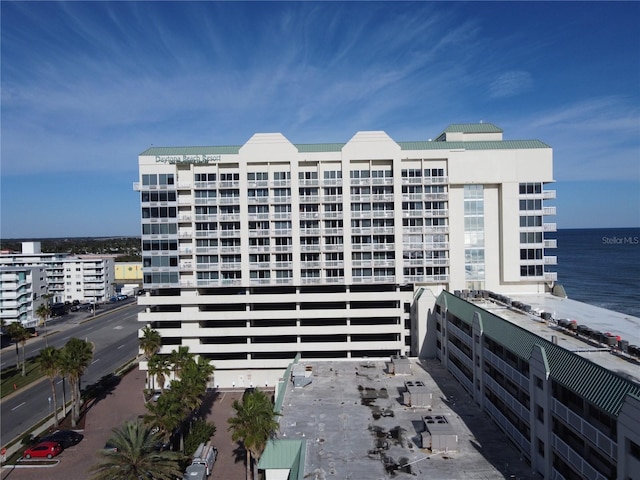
(115, 340)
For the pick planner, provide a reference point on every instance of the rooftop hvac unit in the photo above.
(301, 375)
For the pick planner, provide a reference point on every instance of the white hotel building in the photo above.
(255, 253)
(86, 278)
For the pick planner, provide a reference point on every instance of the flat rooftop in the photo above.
(619, 324)
(357, 427)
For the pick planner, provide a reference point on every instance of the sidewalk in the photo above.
(125, 403)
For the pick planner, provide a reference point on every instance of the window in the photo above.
(253, 176)
(155, 196)
(634, 449)
(333, 174)
(530, 254)
(258, 192)
(282, 175)
(229, 177)
(205, 177)
(541, 447)
(411, 173)
(308, 175)
(540, 413)
(530, 188)
(531, 221)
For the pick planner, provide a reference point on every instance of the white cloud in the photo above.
(511, 83)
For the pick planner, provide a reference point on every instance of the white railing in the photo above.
(584, 428)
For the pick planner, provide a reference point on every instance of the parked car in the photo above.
(66, 438)
(110, 447)
(43, 449)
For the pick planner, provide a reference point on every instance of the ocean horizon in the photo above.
(600, 266)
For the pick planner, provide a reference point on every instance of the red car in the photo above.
(43, 449)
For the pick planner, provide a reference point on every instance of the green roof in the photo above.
(284, 454)
(472, 128)
(337, 147)
(479, 145)
(599, 386)
(223, 150)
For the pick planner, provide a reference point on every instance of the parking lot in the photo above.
(125, 403)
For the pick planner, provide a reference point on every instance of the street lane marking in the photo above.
(96, 360)
(120, 346)
(15, 408)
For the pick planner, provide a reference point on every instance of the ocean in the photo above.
(600, 266)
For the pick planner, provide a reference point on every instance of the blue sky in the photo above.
(87, 86)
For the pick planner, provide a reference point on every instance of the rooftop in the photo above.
(602, 375)
(407, 146)
(355, 423)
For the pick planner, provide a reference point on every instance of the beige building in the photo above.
(128, 272)
(256, 252)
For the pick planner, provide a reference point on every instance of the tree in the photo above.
(159, 368)
(167, 413)
(254, 424)
(49, 362)
(150, 342)
(76, 357)
(179, 359)
(184, 396)
(44, 312)
(200, 432)
(20, 335)
(15, 330)
(136, 457)
(195, 375)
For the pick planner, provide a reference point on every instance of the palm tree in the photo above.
(20, 335)
(15, 330)
(196, 374)
(254, 424)
(159, 368)
(135, 457)
(49, 362)
(76, 357)
(150, 342)
(44, 312)
(179, 359)
(167, 413)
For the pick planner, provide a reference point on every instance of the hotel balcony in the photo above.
(209, 249)
(257, 200)
(205, 185)
(550, 243)
(548, 194)
(331, 182)
(550, 260)
(332, 215)
(551, 276)
(228, 201)
(548, 227)
(258, 216)
(314, 182)
(548, 211)
(206, 234)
